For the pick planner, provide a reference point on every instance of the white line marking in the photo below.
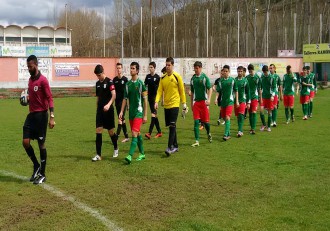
(93, 212)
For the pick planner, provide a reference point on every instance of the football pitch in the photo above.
(278, 180)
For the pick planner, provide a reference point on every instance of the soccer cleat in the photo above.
(239, 134)
(310, 116)
(148, 135)
(252, 132)
(262, 128)
(274, 124)
(305, 118)
(288, 121)
(159, 134)
(196, 144)
(223, 122)
(141, 157)
(292, 118)
(168, 151)
(128, 159)
(209, 137)
(35, 173)
(219, 121)
(40, 179)
(96, 158)
(269, 130)
(125, 140)
(115, 153)
(225, 138)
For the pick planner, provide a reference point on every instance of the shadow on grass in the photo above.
(12, 179)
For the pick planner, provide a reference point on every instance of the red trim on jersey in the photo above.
(201, 112)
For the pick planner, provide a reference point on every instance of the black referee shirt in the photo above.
(152, 83)
(103, 91)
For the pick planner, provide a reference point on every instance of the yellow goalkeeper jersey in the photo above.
(173, 89)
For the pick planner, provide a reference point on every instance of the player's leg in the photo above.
(172, 115)
(262, 117)
(197, 117)
(227, 114)
(135, 132)
(27, 136)
(274, 112)
(109, 124)
(124, 127)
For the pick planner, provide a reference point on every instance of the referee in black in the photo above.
(152, 82)
(120, 82)
(105, 115)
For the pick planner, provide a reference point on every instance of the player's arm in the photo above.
(50, 100)
(247, 93)
(145, 107)
(159, 94)
(113, 98)
(315, 83)
(209, 91)
(192, 90)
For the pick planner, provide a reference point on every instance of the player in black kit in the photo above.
(120, 82)
(152, 82)
(105, 116)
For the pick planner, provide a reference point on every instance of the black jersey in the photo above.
(103, 91)
(152, 83)
(120, 88)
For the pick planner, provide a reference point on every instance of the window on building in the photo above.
(1, 38)
(46, 40)
(61, 40)
(30, 40)
(13, 39)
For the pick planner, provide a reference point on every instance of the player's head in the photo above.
(32, 64)
(134, 68)
(221, 73)
(119, 68)
(198, 67)
(152, 67)
(164, 70)
(99, 71)
(244, 71)
(272, 68)
(251, 69)
(265, 69)
(240, 71)
(288, 69)
(226, 71)
(308, 68)
(304, 71)
(169, 65)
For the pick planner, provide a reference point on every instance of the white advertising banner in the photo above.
(13, 51)
(60, 51)
(44, 66)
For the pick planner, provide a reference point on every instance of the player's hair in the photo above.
(164, 70)
(265, 68)
(98, 69)
(308, 68)
(250, 67)
(152, 64)
(240, 68)
(305, 68)
(198, 64)
(32, 58)
(272, 65)
(170, 59)
(226, 67)
(244, 69)
(119, 64)
(288, 67)
(137, 66)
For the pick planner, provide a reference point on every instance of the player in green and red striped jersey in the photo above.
(278, 92)
(313, 89)
(305, 84)
(226, 89)
(243, 89)
(267, 97)
(201, 90)
(255, 93)
(217, 98)
(289, 80)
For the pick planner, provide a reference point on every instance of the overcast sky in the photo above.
(41, 12)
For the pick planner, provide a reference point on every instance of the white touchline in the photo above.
(93, 212)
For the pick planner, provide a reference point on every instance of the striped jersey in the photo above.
(199, 86)
(133, 92)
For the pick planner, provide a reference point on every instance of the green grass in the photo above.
(270, 181)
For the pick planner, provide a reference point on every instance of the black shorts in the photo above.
(35, 126)
(171, 115)
(105, 119)
(152, 106)
(118, 108)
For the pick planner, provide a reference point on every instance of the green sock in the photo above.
(251, 120)
(133, 146)
(287, 113)
(227, 128)
(262, 117)
(292, 111)
(304, 106)
(310, 107)
(274, 114)
(140, 144)
(254, 121)
(241, 121)
(196, 129)
(269, 119)
(207, 127)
